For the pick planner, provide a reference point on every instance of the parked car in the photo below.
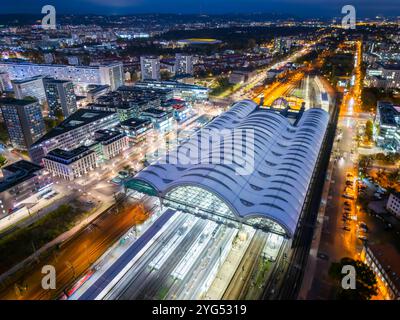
(363, 225)
(363, 237)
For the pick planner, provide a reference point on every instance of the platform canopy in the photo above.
(272, 189)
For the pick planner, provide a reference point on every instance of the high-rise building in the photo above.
(183, 64)
(150, 67)
(110, 74)
(387, 121)
(24, 121)
(29, 87)
(5, 84)
(60, 96)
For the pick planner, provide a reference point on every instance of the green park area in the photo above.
(20, 244)
(3, 160)
(223, 88)
(3, 133)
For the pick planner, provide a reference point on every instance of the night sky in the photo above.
(301, 8)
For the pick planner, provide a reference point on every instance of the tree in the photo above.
(128, 169)
(58, 113)
(50, 123)
(369, 99)
(366, 283)
(369, 130)
(3, 133)
(165, 75)
(3, 160)
(251, 43)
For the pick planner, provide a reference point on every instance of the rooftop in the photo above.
(68, 156)
(104, 136)
(26, 80)
(135, 122)
(57, 65)
(168, 85)
(265, 175)
(17, 173)
(98, 88)
(16, 102)
(388, 113)
(154, 111)
(78, 119)
(52, 80)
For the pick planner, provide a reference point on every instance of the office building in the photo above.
(384, 260)
(163, 121)
(386, 76)
(181, 110)
(29, 87)
(21, 180)
(188, 92)
(150, 67)
(23, 120)
(393, 204)
(108, 74)
(145, 94)
(387, 122)
(109, 144)
(78, 129)
(70, 164)
(61, 97)
(96, 91)
(136, 129)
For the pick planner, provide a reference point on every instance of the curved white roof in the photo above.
(284, 159)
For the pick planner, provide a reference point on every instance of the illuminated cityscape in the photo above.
(199, 155)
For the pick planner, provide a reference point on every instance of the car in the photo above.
(377, 196)
(388, 226)
(346, 203)
(346, 228)
(322, 256)
(363, 237)
(363, 225)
